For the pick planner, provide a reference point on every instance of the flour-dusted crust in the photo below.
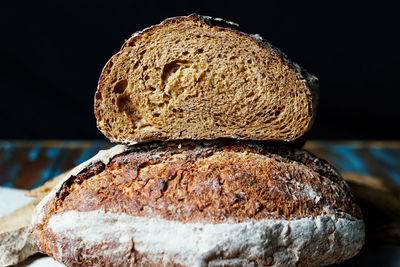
(103, 157)
(197, 203)
(124, 240)
(196, 77)
(15, 244)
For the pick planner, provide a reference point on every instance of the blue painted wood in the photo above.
(54, 154)
(9, 169)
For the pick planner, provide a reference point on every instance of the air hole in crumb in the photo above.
(171, 68)
(185, 53)
(249, 61)
(250, 94)
(200, 50)
(108, 124)
(145, 67)
(98, 95)
(277, 112)
(222, 76)
(120, 86)
(156, 115)
(146, 77)
(124, 104)
(152, 89)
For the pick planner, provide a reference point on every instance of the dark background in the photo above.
(52, 55)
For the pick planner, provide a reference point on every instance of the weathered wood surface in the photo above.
(28, 164)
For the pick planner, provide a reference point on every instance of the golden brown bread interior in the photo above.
(189, 79)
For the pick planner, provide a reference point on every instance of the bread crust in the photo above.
(181, 185)
(15, 244)
(309, 80)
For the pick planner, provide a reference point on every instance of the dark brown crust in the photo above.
(216, 182)
(223, 181)
(221, 25)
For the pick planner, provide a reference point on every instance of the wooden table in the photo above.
(372, 169)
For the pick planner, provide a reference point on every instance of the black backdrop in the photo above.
(52, 55)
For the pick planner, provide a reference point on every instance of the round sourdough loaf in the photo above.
(196, 77)
(197, 203)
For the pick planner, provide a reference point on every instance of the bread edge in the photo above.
(311, 81)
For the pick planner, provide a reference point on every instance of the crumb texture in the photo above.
(228, 189)
(185, 79)
(15, 244)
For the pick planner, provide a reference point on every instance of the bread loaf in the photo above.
(15, 243)
(195, 77)
(214, 203)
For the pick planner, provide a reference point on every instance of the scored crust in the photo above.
(188, 185)
(196, 77)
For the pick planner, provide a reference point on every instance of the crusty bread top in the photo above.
(210, 182)
(192, 202)
(196, 77)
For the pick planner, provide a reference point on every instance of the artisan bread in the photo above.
(204, 203)
(195, 77)
(15, 243)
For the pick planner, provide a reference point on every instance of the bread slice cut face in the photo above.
(195, 77)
